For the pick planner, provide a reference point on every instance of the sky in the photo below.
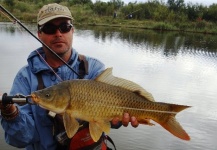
(203, 2)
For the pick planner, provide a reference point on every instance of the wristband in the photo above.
(9, 112)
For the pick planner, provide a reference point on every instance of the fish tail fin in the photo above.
(173, 126)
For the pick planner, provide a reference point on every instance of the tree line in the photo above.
(173, 11)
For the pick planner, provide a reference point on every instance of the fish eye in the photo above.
(47, 95)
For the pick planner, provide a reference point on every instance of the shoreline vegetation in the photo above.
(174, 15)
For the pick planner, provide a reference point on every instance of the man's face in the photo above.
(59, 41)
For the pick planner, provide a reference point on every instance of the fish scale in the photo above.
(119, 98)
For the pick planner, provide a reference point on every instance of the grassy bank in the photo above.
(83, 15)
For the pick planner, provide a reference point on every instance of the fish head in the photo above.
(55, 98)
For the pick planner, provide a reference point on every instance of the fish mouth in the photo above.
(34, 99)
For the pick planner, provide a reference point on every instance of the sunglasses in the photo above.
(51, 28)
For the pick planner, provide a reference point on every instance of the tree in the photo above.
(9, 2)
(100, 7)
(117, 3)
(210, 15)
(176, 5)
(194, 11)
(80, 1)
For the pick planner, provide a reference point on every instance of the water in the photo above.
(175, 67)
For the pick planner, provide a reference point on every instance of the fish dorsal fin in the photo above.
(107, 77)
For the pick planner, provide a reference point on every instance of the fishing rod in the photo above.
(17, 21)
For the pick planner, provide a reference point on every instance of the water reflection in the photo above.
(170, 42)
(175, 67)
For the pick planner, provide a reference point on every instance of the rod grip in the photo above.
(5, 99)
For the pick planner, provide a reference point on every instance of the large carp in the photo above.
(99, 101)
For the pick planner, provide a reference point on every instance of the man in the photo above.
(29, 125)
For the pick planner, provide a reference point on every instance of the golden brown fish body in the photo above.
(98, 101)
(106, 101)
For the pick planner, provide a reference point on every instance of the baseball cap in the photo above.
(52, 11)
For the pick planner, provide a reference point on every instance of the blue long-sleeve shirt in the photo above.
(33, 128)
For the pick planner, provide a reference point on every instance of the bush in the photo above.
(9, 2)
(23, 7)
(182, 26)
(200, 24)
(163, 26)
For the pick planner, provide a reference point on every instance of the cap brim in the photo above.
(45, 20)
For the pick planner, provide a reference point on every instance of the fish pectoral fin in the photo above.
(95, 131)
(71, 125)
(104, 125)
(97, 127)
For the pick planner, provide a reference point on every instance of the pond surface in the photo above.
(178, 68)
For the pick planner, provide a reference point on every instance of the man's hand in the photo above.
(125, 120)
(1, 106)
(9, 111)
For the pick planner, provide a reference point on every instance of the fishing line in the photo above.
(36, 50)
(10, 20)
(7, 16)
(17, 21)
(49, 66)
